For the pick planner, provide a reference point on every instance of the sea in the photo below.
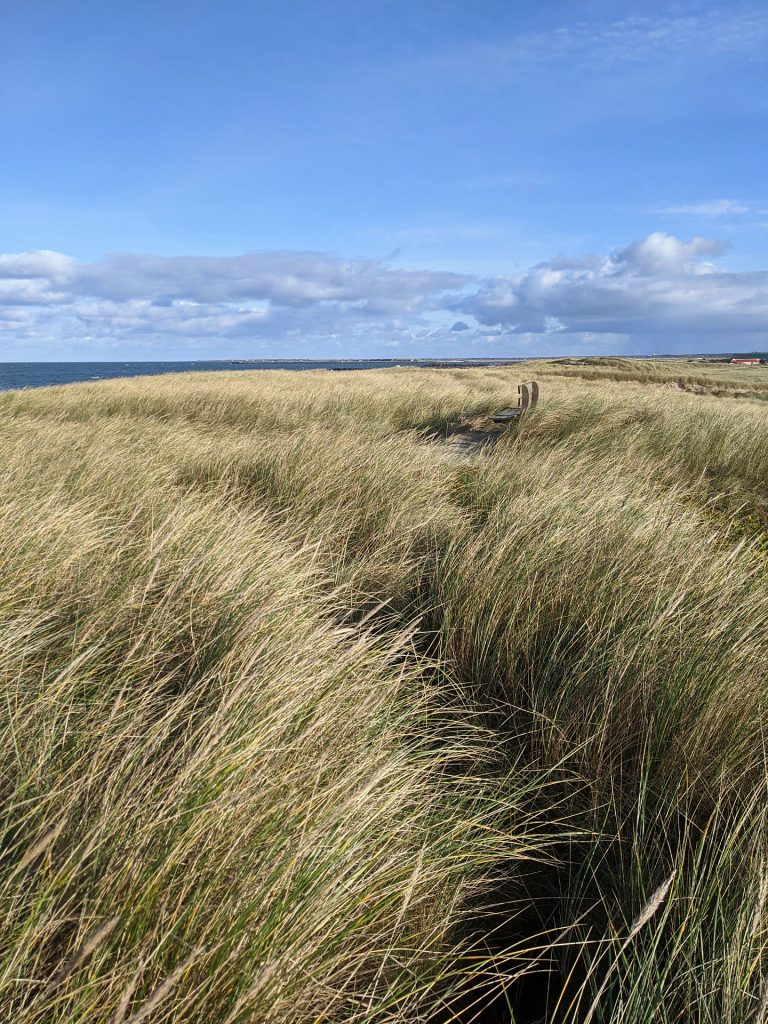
(40, 375)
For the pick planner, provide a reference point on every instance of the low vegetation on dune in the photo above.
(312, 715)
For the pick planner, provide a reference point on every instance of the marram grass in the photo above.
(307, 717)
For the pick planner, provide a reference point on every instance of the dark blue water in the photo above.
(38, 375)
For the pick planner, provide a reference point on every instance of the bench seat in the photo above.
(505, 415)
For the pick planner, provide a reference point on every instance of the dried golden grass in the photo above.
(306, 719)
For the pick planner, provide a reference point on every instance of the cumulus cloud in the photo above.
(655, 285)
(35, 278)
(662, 253)
(284, 278)
(41, 263)
(284, 301)
(30, 292)
(190, 299)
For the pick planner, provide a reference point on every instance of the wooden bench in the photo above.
(527, 397)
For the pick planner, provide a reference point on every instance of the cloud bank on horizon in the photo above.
(657, 293)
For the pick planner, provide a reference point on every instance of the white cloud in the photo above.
(553, 326)
(659, 284)
(285, 278)
(658, 291)
(660, 252)
(35, 278)
(30, 292)
(39, 263)
(711, 208)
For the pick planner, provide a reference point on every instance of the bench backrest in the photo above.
(528, 395)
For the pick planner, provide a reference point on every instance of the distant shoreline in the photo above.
(14, 376)
(19, 375)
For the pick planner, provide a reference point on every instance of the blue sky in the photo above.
(381, 178)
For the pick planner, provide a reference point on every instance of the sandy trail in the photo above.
(466, 439)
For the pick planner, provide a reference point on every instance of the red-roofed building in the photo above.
(745, 362)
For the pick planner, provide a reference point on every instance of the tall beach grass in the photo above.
(307, 717)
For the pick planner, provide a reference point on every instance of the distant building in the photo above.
(745, 362)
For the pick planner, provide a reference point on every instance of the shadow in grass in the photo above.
(517, 929)
(464, 439)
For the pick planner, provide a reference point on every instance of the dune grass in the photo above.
(307, 719)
